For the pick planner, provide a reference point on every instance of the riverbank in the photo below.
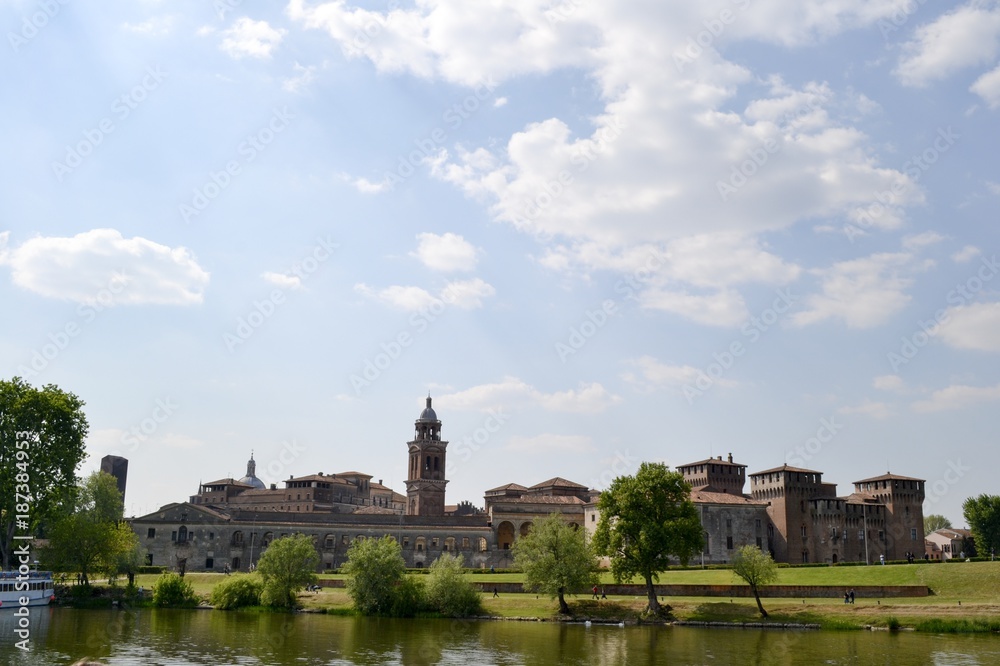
(962, 598)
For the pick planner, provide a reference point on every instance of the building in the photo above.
(117, 467)
(947, 543)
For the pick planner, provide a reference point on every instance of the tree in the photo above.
(126, 556)
(647, 519)
(982, 513)
(756, 568)
(42, 433)
(374, 569)
(288, 564)
(935, 522)
(449, 590)
(555, 559)
(92, 537)
(172, 591)
(237, 591)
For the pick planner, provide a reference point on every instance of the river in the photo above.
(187, 637)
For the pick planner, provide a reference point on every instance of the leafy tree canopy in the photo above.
(556, 559)
(374, 569)
(42, 433)
(756, 568)
(646, 520)
(935, 522)
(982, 513)
(289, 564)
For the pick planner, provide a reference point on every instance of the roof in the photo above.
(326, 478)
(376, 510)
(889, 477)
(712, 461)
(708, 497)
(428, 414)
(786, 468)
(227, 482)
(952, 533)
(542, 499)
(509, 486)
(861, 498)
(352, 473)
(559, 482)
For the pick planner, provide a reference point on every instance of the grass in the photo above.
(965, 598)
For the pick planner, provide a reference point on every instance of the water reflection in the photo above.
(188, 638)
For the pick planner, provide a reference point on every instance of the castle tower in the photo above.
(425, 480)
(903, 497)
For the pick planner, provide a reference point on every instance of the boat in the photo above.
(36, 586)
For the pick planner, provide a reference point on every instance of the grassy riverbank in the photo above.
(965, 597)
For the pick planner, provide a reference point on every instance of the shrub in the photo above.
(170, 590)
(374, 571)
(449, 591)
(409, 598)
(237, 591)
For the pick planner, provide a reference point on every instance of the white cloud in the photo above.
(975, 326)
(966, 254)
(957, 396)
(724, 307)
(96, 265)
(466, 295)
(158, 25)
(175, 441)
(447, 252)
(889, 383)
(551, 442)
(303, 77)
(863, 292)
(876, 410)
(249, 38)
(922, 240)
(283, 280)
(365, 186)
(965, 37)
(512, 392)
(987, 86)
(652, 374)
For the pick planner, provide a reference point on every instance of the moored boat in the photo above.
(36, 586)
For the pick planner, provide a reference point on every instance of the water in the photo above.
(184, 637)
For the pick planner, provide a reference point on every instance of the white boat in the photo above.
(37, 586)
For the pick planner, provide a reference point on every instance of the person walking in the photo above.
(495, 593)
(595, 593)
(852, 595)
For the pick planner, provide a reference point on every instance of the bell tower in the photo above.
(425, 480)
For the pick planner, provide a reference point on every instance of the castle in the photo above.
(790, 512)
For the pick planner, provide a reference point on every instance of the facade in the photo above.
(947, 543)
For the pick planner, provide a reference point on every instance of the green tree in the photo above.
(555, 559)
(646, 520)
(126, 556)
(92, 537)
(374, 569)
(42, 433)
(449, 590)
(756, 568)
(237, 591)
(935, 522)
(982, 513)
(288, 565)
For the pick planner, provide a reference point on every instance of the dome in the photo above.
(428, 414)
(251, 478)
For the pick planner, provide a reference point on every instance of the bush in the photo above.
(170, 590)
(449, 592)
(151, 570)
(237, 591)
(409, 598)
(374, 571)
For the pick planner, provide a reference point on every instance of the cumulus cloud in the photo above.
(957, 396)
(651, 374)
(283, 280)
(512, 392)
(447, 252)
(301, 79)
(82, 268)
(987, 86)
(249, 38)
(966, 254)
(463, 294)
(889, 383)
(974, 326)
(875, 410)
(965, 37)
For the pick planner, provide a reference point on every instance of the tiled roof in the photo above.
(786, 468)
(509, 486)
(712, 461)
(542, 499)
(227, 482)
(889, 477)
(558, 481)
(708, 497)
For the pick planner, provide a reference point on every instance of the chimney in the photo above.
(730, 457)
(380, 482)
(274, 486)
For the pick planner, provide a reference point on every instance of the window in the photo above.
(209, 562)
(434, 542)
(593, 517)
(173, 535)
(757, 523)
(465, 543)
(211, 535)
(151, 533)
(343, 539)
(482, 544)
(149, 559)
(804, 533)
(729, 543)
(182, 534)
(760, 543)
(913, 534)
(708, 547)
(729, 523)
(406, 542)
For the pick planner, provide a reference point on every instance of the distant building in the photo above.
(117, 467)
(947, 543)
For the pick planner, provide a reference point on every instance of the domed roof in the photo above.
(251, 478)
(428, 414)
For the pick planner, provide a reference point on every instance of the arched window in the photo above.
(182, 534)
(237, 538)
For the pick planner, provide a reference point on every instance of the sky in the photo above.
(595, 233)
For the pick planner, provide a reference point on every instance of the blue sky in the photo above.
(596, 233)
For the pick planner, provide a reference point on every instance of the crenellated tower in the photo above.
(425, 482)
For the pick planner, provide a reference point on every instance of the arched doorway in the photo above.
(525, 528)
(505, 535)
